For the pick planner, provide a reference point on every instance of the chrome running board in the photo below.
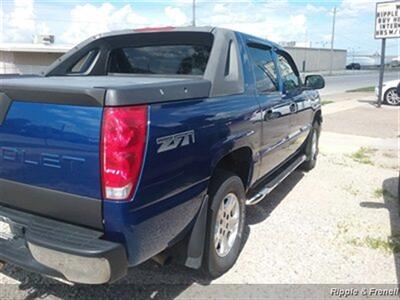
(269, 187)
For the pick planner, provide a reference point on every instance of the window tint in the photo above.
(85, 62)
(289, 78)
(264, 69)
(160, 59)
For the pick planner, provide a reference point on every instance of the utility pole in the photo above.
(332, 39)
(305, 52)
(194, 13)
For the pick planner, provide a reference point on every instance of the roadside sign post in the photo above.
(387, 26)
(381, 72)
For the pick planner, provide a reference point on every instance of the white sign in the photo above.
(387, 20)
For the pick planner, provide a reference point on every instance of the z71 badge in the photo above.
(174, 141)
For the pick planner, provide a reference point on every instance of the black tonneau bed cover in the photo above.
(110, 90)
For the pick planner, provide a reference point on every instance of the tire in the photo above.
(222, 192)
(311, 149)
(391, 97)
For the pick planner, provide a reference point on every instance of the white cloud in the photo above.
(220, 8)
(313, 9)
(176, 16)
(88, 20)
(298, 23)
(327, 38)
(272, 19)
(22, 17)
(19, 24)
(43, 28)
(356, 7)
(281, 20)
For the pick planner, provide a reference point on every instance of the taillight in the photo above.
(123, 142)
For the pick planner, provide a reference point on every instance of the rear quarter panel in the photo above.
(173, 182)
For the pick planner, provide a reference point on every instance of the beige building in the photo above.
(35, 58)
(317, 59)
(28, 58)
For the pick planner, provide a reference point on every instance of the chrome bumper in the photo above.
(62, 250)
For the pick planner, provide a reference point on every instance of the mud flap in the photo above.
(195, 248)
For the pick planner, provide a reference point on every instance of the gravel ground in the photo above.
(337, 224)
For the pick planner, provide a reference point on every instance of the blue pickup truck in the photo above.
(141, 143)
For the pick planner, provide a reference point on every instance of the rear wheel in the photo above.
(391, 97)
(311, 149)
(226, 219)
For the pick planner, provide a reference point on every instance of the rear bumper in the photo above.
(61, 250)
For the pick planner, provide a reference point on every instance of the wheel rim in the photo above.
(226, 225)
(314, 145)
(392, 98)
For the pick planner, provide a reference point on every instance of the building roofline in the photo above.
(314, 48)
(36, 48)
(41, 48)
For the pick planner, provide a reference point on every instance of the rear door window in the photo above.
(264, 69)
(160, 59)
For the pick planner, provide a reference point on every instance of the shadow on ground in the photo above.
(148, 280)
(258, 213)
(371, 102)
(391, 191)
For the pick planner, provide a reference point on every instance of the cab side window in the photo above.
(264, 69)
(290, 79)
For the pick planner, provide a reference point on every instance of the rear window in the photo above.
(160, 59)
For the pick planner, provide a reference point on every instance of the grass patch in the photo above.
(343, 228)
(362, 156)
(326, 102)
(391, 244)
(364, 89)
(351, 190)
(379, 193)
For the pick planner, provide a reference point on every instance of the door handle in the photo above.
(293, 108)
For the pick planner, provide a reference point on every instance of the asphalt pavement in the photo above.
(341, 83)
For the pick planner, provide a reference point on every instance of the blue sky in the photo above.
(279, 20)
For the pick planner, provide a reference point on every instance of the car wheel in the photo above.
(226, 220)
(391, 97)
(311, 149)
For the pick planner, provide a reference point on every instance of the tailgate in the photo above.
(50, 161)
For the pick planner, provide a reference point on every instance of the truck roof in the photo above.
(98, 88)
(209, 29)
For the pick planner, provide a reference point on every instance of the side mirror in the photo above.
(315, 82)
